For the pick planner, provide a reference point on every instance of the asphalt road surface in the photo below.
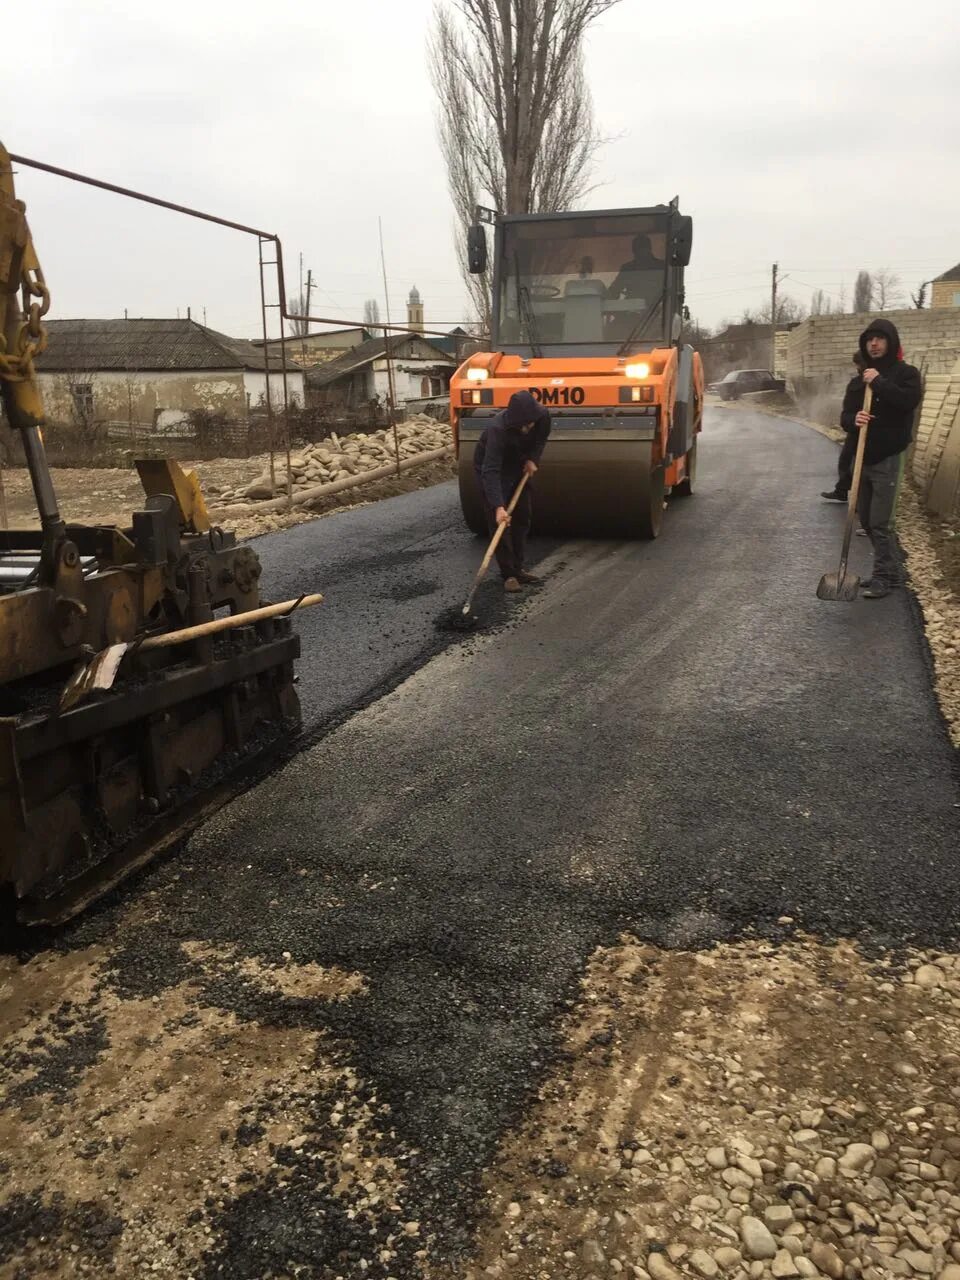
(675, 739)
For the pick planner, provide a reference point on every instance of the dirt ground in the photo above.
(108, 495)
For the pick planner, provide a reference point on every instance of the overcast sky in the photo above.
(825, 136)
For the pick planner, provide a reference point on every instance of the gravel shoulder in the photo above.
(745, 1112)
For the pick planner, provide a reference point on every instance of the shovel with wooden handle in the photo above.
(100, 672)
(494, 541)
(843, 585)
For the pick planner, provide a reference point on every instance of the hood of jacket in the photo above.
(886, 329)
(521, 409)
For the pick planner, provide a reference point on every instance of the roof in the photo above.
(453, 340)
(143, 345)
(365, 353)
(952, 274)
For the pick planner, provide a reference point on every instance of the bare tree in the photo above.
(789, 311)
(863, 292)
(887, 289)
(516, 121)
(919, 299)
(820, 304)
(371, 312)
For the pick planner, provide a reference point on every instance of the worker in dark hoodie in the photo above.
(896, 391)
(511, 446)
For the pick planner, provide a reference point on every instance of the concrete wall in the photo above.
(140, 397)
(161, 397)
(255, 388)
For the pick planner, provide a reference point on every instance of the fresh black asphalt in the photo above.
(676, 739)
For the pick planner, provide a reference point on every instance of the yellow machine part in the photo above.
(164, 476)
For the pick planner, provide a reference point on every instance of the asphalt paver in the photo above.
(675, 739)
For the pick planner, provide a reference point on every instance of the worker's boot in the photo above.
(835, 495)
(511, 584)
(528, 579)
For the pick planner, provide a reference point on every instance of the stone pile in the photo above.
(338, 457)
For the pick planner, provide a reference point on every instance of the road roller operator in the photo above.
(511, 446)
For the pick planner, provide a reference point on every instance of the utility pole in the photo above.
(773, 320)
(305, 325)
(391, 388)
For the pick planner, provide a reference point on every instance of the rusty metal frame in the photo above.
(264, 238)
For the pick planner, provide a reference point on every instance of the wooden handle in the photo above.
(497, 535)
(498, 532)
(855, 485)
(225, 624)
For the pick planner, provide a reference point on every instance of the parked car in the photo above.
(739, 381)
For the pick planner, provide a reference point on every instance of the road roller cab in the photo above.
(587, 314)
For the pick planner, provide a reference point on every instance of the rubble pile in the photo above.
(338, 457)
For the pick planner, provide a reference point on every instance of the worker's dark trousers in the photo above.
(848, 453)
(875, 507)
(512, 547)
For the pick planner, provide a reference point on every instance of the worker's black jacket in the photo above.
(896, 394)
(503, 448)
(852, 401)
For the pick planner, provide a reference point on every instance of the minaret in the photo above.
(414, 311)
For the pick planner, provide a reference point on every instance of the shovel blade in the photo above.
(834, 587)
(99, 673)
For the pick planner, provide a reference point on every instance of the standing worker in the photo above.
(510, 447)
(852, 399)
(896, 391)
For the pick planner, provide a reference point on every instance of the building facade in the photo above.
(154, 373)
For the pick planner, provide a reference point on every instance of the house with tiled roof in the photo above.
(945, 290)
(421, 371)
(154, 373)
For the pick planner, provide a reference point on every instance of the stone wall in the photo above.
(935, 459)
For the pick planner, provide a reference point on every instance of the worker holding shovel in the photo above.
(511, 447)
(896, 392)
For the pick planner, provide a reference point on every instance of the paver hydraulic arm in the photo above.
(24, 301)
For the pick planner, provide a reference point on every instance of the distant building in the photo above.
(153, 373)
(946, 289)
(317, 347)
(421, 371)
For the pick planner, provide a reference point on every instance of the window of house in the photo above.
(436, 387)
(424, 386)
(82, 396)
(956, 298)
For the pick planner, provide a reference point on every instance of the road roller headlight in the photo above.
(641, 370)
(477, 375)
(485, 396)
